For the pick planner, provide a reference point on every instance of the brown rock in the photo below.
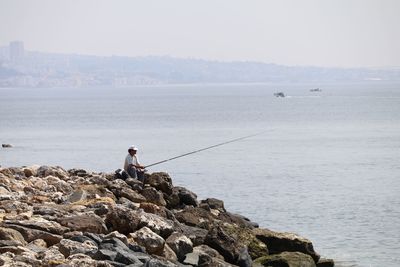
(132, 195)
(194, 216)
(161, 181)
(123, 220)
(154, 196)
(180, 244)
(68, 247)
(85, 223)
(278, 242)
(11, 234)
(287, 259)
(32, 234)
(153, 243)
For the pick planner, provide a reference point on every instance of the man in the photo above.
(132, 165)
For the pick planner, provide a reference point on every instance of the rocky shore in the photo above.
(53, 217)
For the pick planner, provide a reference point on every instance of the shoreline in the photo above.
(55, 217)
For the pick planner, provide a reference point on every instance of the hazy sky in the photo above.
(344, 33)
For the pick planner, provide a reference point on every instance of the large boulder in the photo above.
(195, 234)
(122, 219)
(39, 223)
(85, 223)
(278, 242)
(11, 234)
(161, 181)
(157, 224)
(152, 195)
(153, 243)
(69, 247)
(238, 245)
(30, 234)
(186, 197)
(180, 244)
(194, 216)
(286, 259)
(131, 195)
(214, 203)
(57, 171)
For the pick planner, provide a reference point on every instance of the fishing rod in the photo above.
(206, 148)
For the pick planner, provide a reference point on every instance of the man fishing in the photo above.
(132, 165)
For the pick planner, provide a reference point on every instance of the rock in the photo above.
(161, 181)
(287, 259)
(204, 249)
(193, 216)
(82, 260)
(32, 234)
(52, 256)
(104, 254)
(132, 195)
(37, 246)
(169, 254)
(113, 244)
(31, 170)
(11, 234)
(117, 235)
(153, 208)
(44, 171)
(214, 203)
(153, 196)
(157, 224)
(244, 259)
(135, 184)
(237, 219)
(39, 223)
(68, 247)
(173, 200)
(29, 259)
(180, 244)
(77, 195)
(122, 220)
(85, 223)
(153, 243)
(221, 241)
(279, 242)
(192, 259)
(77, 172)
(186, 196)
(237, 245)
(160, 263)
(197, 235)
(325, 263)
(127, 257)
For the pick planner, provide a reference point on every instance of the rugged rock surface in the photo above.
(53, 217)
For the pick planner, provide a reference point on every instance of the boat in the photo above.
(279, 94)
(315, 90)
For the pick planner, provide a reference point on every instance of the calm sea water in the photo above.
(326, 167)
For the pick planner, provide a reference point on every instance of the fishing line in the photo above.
(206, 148)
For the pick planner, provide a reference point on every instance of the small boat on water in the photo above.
(279, 94)
(315, 90)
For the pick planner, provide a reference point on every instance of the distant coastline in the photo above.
(38, 69)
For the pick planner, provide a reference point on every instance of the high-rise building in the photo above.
(16, 51)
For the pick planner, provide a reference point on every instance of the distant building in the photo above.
(16, 51)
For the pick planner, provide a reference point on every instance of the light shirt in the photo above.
(130, 160)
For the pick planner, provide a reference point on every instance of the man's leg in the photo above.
(132, 172)
(140, 176)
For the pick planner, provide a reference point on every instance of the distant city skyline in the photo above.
(331, 33)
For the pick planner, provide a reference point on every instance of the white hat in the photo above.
(133, 148)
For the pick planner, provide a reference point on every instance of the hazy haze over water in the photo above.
(340, 33)
(326, 167)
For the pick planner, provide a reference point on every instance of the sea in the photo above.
(324, 165)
